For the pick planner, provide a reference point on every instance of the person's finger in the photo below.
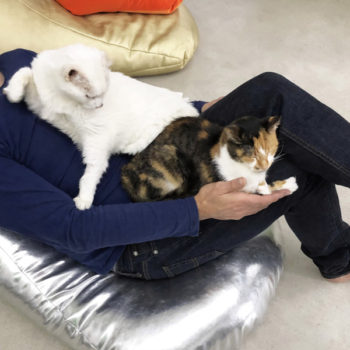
(280, 194)
(265, 200)
(273, 197)
(231, 186)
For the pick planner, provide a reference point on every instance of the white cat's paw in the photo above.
(82, 203)
(290, 184)
(13, 94)
(16, 88)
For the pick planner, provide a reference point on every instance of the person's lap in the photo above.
(173, 256)
(306, 156)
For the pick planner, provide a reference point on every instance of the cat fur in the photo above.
(103, 112)
(192, 152)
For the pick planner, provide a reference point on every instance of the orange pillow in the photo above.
(87, 7)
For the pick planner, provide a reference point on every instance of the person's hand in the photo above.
(2, 79)
(209, 104)
(223, 200)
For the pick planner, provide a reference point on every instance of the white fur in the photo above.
(290, 184)
(103, 112)
(230, 169)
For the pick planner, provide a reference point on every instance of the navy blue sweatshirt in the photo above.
(40, 169)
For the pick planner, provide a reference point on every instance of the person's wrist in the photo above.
(202, 213)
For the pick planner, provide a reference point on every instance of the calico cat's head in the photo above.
(252, 141)
(77, 73)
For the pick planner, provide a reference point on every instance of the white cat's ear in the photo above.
(73, 75)
(272, 123)
(70, 73)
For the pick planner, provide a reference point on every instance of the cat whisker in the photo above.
(280, 151)
(277, 159)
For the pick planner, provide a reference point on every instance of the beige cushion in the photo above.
(137, 44)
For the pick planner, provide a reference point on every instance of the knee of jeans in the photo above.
(272, 78)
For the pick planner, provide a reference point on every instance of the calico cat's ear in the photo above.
(271, 123)
(231, 132)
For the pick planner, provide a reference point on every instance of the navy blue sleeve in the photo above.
(31, 205)
(198, 105)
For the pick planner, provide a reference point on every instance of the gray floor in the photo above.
(307, 41)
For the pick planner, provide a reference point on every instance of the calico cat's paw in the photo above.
(263, 188)
(82, 203)
(16, 88)
(290, 184)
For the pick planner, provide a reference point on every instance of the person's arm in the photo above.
(32, 206)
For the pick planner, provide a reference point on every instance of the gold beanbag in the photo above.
(137, 44)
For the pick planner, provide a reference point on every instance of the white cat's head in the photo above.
(80, 73)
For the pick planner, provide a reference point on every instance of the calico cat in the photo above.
(191, 152)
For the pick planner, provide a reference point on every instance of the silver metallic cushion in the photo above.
(207, 308)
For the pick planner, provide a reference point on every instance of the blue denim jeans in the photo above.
(315, 142)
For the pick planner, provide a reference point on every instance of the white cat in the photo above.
(103, 112)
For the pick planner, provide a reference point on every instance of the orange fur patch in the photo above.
(215, 150)
(143, 176)
(143, 192)
(277, 185)
(240, 152)
(167, 176)
(205, 123)
(203, 135)
(173, 127)
(266, 141)
(205, 172)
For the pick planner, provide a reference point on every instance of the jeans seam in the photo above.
(195, 262)
(153, 246)
(145, 270)
(317, 153)
(131, 265)
(334, 224)
(168, 271)
(334, 221)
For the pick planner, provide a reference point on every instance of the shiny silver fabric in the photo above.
(209, 308)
